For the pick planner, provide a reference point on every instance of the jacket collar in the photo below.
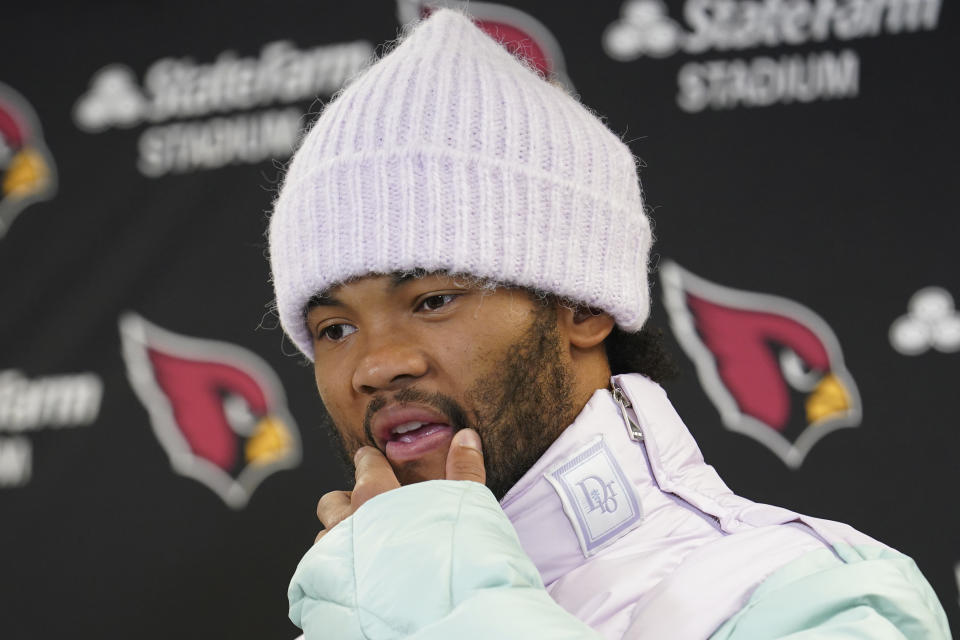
(593, 484)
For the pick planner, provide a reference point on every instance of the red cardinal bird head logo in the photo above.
(523, 35)
(27, 172)
(772, 367)
(217, 409)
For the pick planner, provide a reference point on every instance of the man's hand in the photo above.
(375, 476)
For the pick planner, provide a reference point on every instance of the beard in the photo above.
(520, 406)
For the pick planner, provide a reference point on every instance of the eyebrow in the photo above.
(397, 278)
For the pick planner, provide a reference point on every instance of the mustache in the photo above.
(442, 403)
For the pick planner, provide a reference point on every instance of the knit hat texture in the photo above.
(450, 154)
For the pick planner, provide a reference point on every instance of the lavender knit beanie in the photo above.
(450, 154)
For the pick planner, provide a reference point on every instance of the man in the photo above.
(461, 250)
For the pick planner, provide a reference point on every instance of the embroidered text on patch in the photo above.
(596, 495)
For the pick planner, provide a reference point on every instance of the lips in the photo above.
(407, 432)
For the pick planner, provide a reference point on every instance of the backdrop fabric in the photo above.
(161, 443)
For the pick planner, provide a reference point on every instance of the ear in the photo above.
(585, 328)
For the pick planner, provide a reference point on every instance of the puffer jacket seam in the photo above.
(453, 546)
(356, 582)
(678, 480)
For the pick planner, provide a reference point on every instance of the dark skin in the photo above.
(378, 336)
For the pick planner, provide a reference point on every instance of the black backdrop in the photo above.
(799, 149)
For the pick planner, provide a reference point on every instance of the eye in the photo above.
(435, 302)
(336, 332)
(798, 374)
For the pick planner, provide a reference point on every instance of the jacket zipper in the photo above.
(633, 429)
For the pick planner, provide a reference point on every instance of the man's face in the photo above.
(402, 363)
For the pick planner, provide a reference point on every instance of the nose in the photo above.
(390, 362)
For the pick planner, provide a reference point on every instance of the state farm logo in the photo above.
(646, 29)
(28, 405)
(519, 32)
(217, 409)
(194, 99)
(931, 322)
(772, 367)
(27, 171)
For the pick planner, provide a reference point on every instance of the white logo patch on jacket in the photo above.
(600, 502)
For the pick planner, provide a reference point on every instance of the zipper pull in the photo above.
(632, 427)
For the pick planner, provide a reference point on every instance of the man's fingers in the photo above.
(333, 507)
(374, 475)
(465, 457)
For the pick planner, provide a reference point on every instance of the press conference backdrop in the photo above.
(160, 445)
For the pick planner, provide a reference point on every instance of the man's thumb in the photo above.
(465, 457)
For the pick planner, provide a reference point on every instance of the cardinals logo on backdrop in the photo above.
(217, 409)
(27, 172)
(772, 367)
(522, 34)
